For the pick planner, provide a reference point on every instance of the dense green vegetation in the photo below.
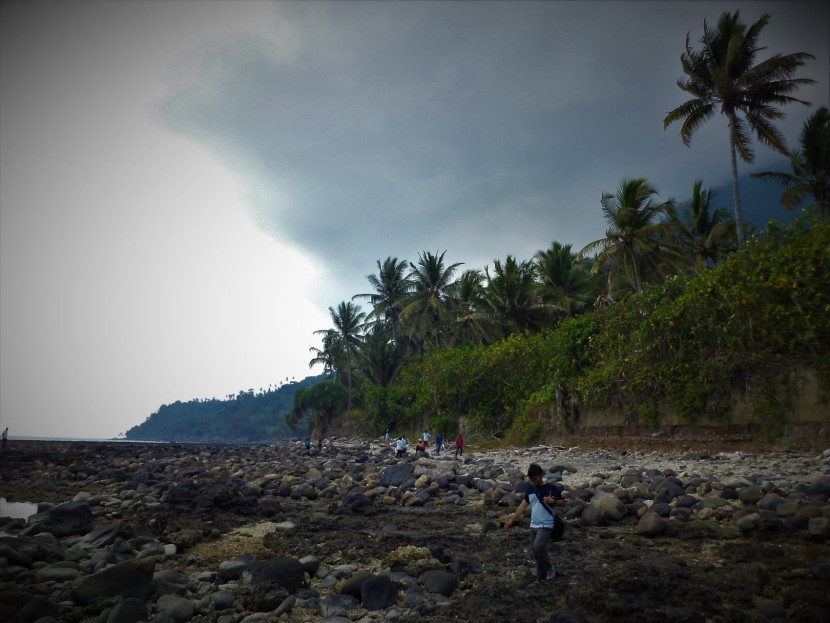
(682, 343)
(247, 417)
(668, 311)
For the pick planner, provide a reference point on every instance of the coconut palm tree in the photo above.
(330, 356)
(564, 279)
(811, 167)
(512, 296)
(471, 324)
(390, 287)
(429, 303)
(348, 324)
(708, 235)
(637, 238)
(723, 76)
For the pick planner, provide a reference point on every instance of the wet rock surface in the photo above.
(168, 533)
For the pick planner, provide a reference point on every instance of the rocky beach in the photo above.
(179, 533)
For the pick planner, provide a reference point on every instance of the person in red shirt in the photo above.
(459, 445)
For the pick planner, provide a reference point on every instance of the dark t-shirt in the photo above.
(539, 517)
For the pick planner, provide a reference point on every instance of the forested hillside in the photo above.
(244, 418)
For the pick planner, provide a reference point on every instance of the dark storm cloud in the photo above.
(375, 129)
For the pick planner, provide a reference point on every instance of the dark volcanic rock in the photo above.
(287, 572)
(132, 578)
(62, 520)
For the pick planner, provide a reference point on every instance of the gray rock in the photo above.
(465, 562)
(378, 592)
(396, 475)
(337, 605)
(38, 609)
(58, 572)
(819, 528)
(287, 572)
(169, 582)
(592, 516)
(222, 600)
(132, 578)
(62, 520)
(359, 504)
(25, 550)
(651, 524)
(130, 610)
(352, 586)
(232, 569)
(439, 581)
(178, 608)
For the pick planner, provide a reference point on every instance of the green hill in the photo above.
(245, 418)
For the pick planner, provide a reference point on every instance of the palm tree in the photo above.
(347, 320)
(390, 287)
(708, 235)
(636, 237)
(378, 356)
(330, 356)
(512, 297)
(811, 167)
(468, 295)
(429, 302)
(564, 280)
(723, 76)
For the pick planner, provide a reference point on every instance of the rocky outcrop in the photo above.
(252, 533)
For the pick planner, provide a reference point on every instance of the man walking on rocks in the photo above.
(540, 497)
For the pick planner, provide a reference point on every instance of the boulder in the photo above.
(69, 518)
(287, 572)
(132, 578)
(378, 592)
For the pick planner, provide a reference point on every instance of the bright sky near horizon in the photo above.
(186, 187)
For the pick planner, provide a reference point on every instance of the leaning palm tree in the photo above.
(390, 287)
(428, 305)
(723, 76)
(636, 237)
(811, 167)
(331, 356)
(347, 320)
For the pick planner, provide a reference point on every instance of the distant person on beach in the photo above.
(401, 447)
(540, 497)
(387, 436)
(459, 445)
(5, 436)
(426, 438)
(439, 439)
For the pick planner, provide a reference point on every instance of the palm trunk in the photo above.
(736, 195)
(349, 359)
(638, 286)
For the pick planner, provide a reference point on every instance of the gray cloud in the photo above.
(482, 128)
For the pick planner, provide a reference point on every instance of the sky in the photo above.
(186, 187)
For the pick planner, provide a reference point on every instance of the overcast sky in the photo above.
(186, 186)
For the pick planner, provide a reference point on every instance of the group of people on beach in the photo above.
(401, 443)
(542, 497)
